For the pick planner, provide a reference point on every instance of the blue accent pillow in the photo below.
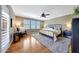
(68, 33)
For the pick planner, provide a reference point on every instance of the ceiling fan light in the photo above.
(43, 15)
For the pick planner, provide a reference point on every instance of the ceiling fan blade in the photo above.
(47, 14)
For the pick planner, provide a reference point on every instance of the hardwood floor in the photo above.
(28, 44)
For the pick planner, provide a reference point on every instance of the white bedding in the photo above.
(51, 32)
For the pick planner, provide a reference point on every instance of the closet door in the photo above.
(4, 30)
(75, 32)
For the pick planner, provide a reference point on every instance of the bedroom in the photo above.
(45, 29)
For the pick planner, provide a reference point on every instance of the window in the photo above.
(31, 24)
(27, 24)
(38, 25)
(5, 20)
(35, 24)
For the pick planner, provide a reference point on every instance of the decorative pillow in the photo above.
(68, 33)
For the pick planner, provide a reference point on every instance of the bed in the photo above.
(52, 31)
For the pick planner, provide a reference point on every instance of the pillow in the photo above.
(68, 33)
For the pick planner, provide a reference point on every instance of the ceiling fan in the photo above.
(44, 15)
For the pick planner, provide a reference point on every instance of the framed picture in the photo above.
(11, 22)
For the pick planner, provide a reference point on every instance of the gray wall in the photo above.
(12, 15)
(64, 20)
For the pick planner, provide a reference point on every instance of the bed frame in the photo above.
(56, 26)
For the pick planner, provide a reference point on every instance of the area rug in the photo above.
(60, 46)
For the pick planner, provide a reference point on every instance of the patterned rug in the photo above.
(60, 46)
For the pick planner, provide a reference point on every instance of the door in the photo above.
(75, 32)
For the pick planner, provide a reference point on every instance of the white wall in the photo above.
(64, 20)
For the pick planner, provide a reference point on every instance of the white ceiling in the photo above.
(35, 11)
